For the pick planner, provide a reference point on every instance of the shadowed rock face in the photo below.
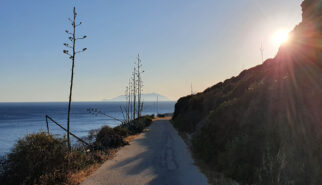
(268, 117)
(311, 10)
(311, 19)
(306, 38)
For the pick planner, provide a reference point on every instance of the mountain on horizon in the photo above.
(145, 97)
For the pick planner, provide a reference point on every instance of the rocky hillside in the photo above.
(265, 125)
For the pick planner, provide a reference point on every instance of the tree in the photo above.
(72, 56)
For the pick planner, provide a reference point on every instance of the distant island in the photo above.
(145, 97)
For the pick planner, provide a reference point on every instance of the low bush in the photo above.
(44, 159)
(108, 138)
(92, 135)
(36, 159)
(147, 120)
(160, 115)
(149, 116)
(138, 125)
(78, 159)
(122, 131)
(3, 167)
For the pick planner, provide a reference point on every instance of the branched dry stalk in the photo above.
(133, 94)
(133, 106)
(96, 111)
(71, 51)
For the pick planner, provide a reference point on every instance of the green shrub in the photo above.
(79, 159)
(149, 116)
(108, 138)
(92, 135)
(3, 168)
(138, 125)
(160, 115)
(36, 159)
(122, 131)
(44, 159)
(135, 127)
(146, 120)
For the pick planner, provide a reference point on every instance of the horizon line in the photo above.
(74, 101)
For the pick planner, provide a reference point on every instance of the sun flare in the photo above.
(280, 37)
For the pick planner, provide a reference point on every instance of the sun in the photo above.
(280, 37)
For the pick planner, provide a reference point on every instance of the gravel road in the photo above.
(157, 157)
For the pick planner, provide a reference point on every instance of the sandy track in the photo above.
(157, 157)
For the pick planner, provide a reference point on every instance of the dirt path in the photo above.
(157, 157)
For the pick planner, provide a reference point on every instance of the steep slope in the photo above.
(265, 125)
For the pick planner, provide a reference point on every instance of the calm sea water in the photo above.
(19, 119)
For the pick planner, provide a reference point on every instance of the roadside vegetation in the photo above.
(42, 158)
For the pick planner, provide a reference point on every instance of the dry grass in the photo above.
(164, 118)
(79, 176)
(129, 139)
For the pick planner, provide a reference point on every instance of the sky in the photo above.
(181, 42)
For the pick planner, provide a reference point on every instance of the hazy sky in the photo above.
(181, 42)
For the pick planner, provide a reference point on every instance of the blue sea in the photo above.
(19, 119)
